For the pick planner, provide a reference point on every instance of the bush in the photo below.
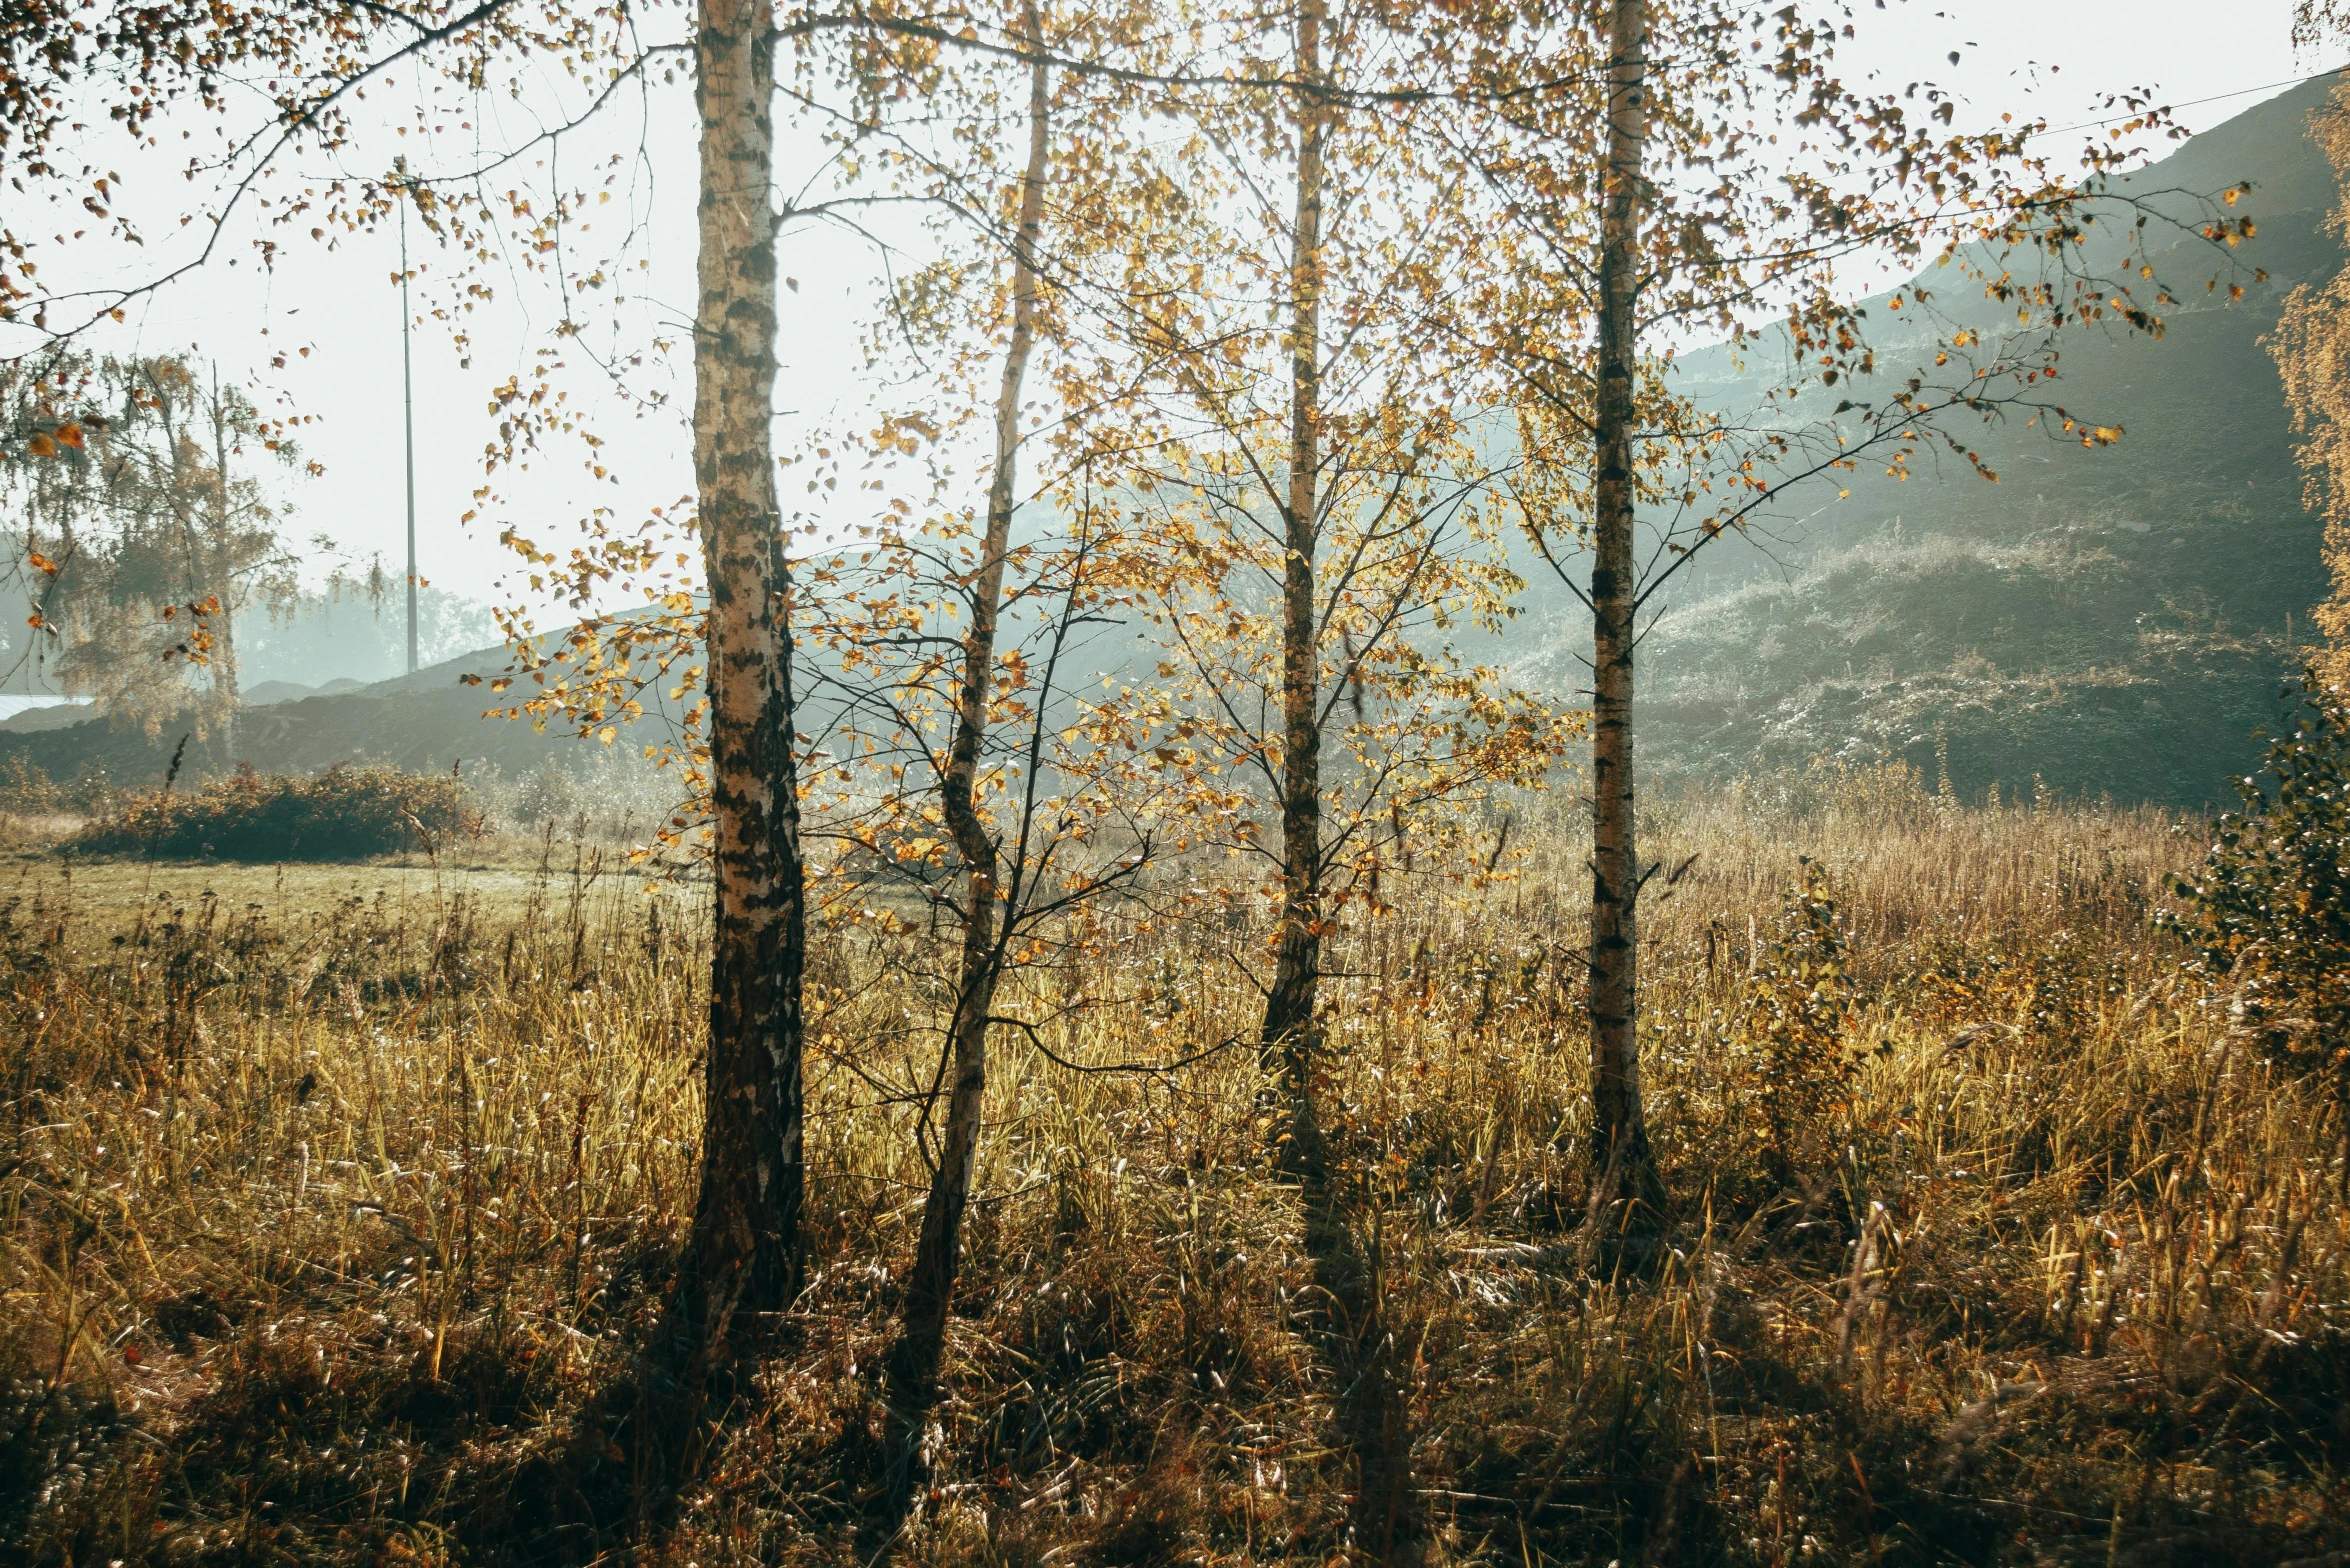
(1799, 1006)
(345, 813)
(26, 790)
(2270, 908)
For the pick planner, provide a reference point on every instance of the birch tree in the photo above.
(930, 1287)
(1318, 488)
(1717, 174)
(745, 1254)
(971, 775)
(906, 675)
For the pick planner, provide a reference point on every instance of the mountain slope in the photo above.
(2112, 621)
(421, 722)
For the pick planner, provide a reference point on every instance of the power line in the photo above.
(2241, 92)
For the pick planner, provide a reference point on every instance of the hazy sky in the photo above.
(2052, 57)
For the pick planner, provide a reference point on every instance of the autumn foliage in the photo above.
(2312, 350)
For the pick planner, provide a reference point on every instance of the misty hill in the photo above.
(329, 637)
(2114, 621)
(423, 722)
(355, 639)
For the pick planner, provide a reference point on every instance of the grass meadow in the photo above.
(336, 1205)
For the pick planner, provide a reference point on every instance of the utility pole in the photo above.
(408, 422)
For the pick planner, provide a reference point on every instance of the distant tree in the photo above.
(344, 626)
(147, 532)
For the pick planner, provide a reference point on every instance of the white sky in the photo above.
(2052, 57)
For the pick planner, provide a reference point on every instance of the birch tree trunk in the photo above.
(914, 1366)
(744, 1256)
(1623, 1189)
(1290, 1034)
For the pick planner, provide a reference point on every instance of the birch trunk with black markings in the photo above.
(744, 1258)
(1623, 1196)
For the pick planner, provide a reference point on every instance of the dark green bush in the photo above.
(345, 813)
(2270, 908)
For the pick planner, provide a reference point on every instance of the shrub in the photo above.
(25, 789)
(1885, 790)
(345, 813)
(2271, 906)
(1799, 1007)
(548, 791)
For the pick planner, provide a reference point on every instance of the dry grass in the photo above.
(336, 1231)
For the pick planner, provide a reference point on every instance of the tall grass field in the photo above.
(337, 1207)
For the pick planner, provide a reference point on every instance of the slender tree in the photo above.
(1620, 1127)
(975, 778)
(914, 1364)
(1702, 168)
(1317, 491)
(1319, 488)
(1290, 1027)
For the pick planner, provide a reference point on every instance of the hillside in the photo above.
(422, 722)
(2112, 621)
